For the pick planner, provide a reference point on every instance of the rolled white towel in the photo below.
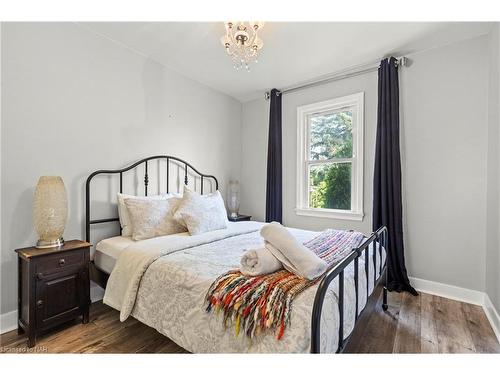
(259, 261)
(294, 256)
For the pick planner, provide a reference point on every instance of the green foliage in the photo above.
(330, 138)
(331, 185)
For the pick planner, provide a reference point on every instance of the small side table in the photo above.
(54, 287)
(240, 218)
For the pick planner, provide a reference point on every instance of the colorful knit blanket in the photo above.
(257, 304)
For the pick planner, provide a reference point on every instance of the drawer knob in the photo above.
(61, 262)
(39, 303)
(39, 276)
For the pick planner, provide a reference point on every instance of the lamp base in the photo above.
(45, 244)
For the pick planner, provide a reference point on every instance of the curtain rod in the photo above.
(346, 73)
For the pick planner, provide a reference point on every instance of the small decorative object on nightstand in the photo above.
(53, 287)
(240, 218)
(233, 198)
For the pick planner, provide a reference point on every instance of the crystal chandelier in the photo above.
(242, 42)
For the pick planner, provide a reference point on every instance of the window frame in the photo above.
(355, 102)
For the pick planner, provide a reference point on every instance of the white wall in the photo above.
(445, 104)
(254, 135)
(493, 201)
(74, 102)
(444, 143)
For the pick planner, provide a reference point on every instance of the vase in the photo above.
(233, 198)
(50, 211)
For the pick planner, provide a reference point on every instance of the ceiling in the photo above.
(293, 51)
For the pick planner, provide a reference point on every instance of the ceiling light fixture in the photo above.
(242, 42)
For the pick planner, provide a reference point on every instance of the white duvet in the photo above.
(163, 281)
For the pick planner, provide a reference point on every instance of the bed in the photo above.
(171, 285)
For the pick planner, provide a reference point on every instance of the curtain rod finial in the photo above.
(404, 61)
(267, 95)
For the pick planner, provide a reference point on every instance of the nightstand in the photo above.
(240, 218)
(53, 287)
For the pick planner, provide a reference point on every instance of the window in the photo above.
(330, 158)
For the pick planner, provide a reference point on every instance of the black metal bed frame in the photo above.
(379, 237)
(187, 168)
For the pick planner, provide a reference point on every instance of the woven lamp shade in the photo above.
(50, 211)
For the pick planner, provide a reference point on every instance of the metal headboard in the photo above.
(169, 159)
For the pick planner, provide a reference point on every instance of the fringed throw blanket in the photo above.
(256, 304)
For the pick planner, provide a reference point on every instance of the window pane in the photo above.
(330, 186)
(330, 135)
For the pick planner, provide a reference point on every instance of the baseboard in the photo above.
(474, 297)
(492, 315)
(8, 321)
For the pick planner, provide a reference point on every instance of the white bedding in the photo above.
(124, 281)
(170, 295)
(107, 251)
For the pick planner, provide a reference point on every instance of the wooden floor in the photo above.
(428, 324)
(424, 324)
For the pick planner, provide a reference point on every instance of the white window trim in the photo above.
(302, 201)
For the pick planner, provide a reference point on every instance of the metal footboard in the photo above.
(379, 240)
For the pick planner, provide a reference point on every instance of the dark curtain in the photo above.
(387, 201)
(274, 172)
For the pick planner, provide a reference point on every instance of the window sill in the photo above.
(330, 214)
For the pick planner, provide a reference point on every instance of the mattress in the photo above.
(107, 252)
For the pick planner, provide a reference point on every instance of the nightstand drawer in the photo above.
(55, 263)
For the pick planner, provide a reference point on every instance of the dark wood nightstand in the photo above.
(53, 287)
(240, 218)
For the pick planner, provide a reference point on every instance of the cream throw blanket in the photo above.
(123, 283)
(294, 256)
(259, 261)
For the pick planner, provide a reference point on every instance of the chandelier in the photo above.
(242, 42)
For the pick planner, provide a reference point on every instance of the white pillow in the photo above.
(201, 213)
(123, 214)
(153, 218)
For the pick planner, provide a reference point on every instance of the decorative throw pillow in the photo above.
(123, 214)
(201, 213)
(153, 218)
